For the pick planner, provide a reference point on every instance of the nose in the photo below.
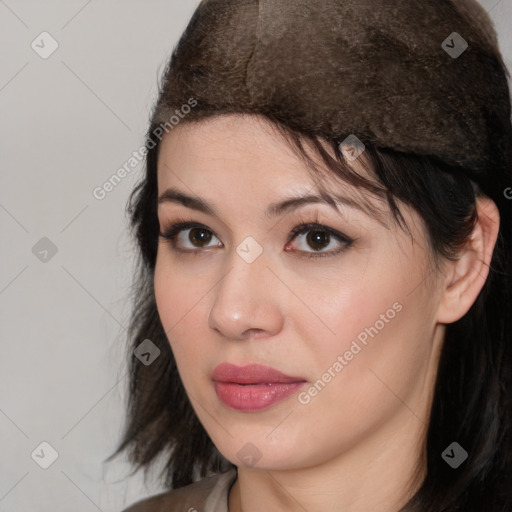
(246, 304)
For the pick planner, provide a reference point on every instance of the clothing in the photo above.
(422, 77)
(208, 495)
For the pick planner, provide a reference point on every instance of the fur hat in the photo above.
(420, 76)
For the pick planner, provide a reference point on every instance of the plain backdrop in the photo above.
(68, 122)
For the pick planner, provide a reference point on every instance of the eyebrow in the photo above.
(172, 195)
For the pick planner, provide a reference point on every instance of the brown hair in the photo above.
(437, 133)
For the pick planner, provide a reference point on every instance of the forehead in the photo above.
(218, 154)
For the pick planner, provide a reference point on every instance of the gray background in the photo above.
(68, 122)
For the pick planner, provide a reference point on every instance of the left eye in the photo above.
(315, 235)
(319, 237)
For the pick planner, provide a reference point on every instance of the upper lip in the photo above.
(250, 374)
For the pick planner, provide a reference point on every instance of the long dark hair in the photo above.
(433, 145)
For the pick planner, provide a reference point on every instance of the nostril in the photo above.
(254, 333)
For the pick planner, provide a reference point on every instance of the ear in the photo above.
(466, 277)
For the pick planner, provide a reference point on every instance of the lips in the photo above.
(251, 374)
(253, 387)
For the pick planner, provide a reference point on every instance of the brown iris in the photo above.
(315, 238)
(203, 238)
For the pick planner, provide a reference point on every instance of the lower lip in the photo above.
(255, 397)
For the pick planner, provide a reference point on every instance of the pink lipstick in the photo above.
(253, 387)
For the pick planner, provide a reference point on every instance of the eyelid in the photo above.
(181, 224)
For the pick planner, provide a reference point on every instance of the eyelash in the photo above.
(182, 224)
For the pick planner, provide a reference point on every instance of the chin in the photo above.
(253, 451)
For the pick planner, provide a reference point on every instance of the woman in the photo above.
(322, 315)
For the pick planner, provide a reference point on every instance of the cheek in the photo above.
(360, 330)
(377, 311)
(177, 288)
(370, 318)
(181, 311)
(355, 308)
(380, 352)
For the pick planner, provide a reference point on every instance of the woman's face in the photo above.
(353, 328)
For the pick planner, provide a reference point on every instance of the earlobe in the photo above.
(466, 277)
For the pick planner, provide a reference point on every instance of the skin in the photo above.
(356, 444)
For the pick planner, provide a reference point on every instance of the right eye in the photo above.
(198, 235)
